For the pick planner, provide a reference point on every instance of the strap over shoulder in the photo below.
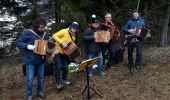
(36, 33)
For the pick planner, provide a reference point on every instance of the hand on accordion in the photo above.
(110, 26)
(63, 44)
(148, 35)
(51, 40)
(30, 47)
(133, 31)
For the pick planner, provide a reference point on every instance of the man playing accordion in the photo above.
(93, 48)
(111, 45)
(61, 60)
(130, 29)
(31, 59)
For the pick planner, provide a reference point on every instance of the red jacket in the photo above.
(112, 29)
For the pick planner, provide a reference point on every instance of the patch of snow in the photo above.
(2, 45)
(6, 43)
(21, 3)
(50, 22)
(41, 2)
(9, 27)
(62, 20)
(25, 13)
(7, 18)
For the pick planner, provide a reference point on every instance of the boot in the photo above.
(130, 69)
(138, 77)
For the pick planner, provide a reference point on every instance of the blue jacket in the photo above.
(29, 57)
(132, 23)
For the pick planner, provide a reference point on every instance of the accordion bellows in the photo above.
(102, 36)
(43, 47)
(72, 50)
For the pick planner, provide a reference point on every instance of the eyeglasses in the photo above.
(41, 27)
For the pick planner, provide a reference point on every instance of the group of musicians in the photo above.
(92, 49)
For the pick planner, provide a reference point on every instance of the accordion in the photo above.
(142, 32)
(72, 50)
(43, 47)
(102, 36)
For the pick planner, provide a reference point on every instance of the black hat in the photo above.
(94, 19)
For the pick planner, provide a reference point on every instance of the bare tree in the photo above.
(164, 35)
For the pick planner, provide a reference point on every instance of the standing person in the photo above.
(130, 29)
(61, 61)
(31, 59)
(111, 46)
(92, 48)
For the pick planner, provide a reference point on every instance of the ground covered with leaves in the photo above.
(116, 85)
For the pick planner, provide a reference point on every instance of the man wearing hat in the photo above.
(62, 38)
(93, 49)
(130, 29)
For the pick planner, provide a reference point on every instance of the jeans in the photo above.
(30, 72)
(99, 63)
(61, 65)
(138, 46)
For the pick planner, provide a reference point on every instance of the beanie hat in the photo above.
(74, 25)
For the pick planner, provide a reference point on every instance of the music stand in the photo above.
(85, 65)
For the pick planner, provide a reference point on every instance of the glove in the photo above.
(30, 47)
(133, 31)
(148, 35)
(64, 45)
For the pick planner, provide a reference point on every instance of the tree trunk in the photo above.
(57, 10)
(164, 35)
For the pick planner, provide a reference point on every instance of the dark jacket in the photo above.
(90, 45)
(132, 23)
(29, 57)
